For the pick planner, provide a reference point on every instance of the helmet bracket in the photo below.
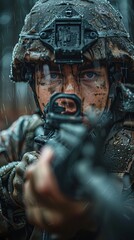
(68, 35)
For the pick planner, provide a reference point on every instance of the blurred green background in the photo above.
(17, 99)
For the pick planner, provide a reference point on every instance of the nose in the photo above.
(70, 86)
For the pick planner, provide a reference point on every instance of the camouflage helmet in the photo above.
(97, 29)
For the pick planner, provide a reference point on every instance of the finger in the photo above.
(44, 218)
(20, 169)
(47, 154)
(45, 157)
(43, 196)
(43, 182)
(27, 159)
(55, 224)
(30, 157)
(33, 209)
(40, 174)
(18, 184)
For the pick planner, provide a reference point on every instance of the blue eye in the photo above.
(54, 75)
(88, 75)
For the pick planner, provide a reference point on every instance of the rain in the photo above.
(17, 99)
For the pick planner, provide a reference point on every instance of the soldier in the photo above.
(81, 50)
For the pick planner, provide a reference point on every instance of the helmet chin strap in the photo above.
(32, 85)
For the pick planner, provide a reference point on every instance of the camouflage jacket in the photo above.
(19, 139)
(14, 142)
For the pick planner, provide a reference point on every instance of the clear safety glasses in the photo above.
(54, 74)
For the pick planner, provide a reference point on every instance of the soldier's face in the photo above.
(89, 81)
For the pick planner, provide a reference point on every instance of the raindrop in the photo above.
(26, 109)
(4, 107)
(6, 120)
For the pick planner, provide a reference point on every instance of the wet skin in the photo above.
(89, 81)
(46, 206)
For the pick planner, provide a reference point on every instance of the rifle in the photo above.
(78, 159)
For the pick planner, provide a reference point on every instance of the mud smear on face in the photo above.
(103, 85)
(82, 104)
(100, 103)
(51, 90)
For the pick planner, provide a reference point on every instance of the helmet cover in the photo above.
(110, 40)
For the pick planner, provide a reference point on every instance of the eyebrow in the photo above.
(53, 67)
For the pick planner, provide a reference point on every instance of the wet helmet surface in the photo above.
(109, 36)
(67, 31)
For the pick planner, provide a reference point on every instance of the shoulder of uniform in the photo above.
(27, 121)
(24, 124)
(34, 121)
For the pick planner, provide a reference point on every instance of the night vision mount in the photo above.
(68, 36)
